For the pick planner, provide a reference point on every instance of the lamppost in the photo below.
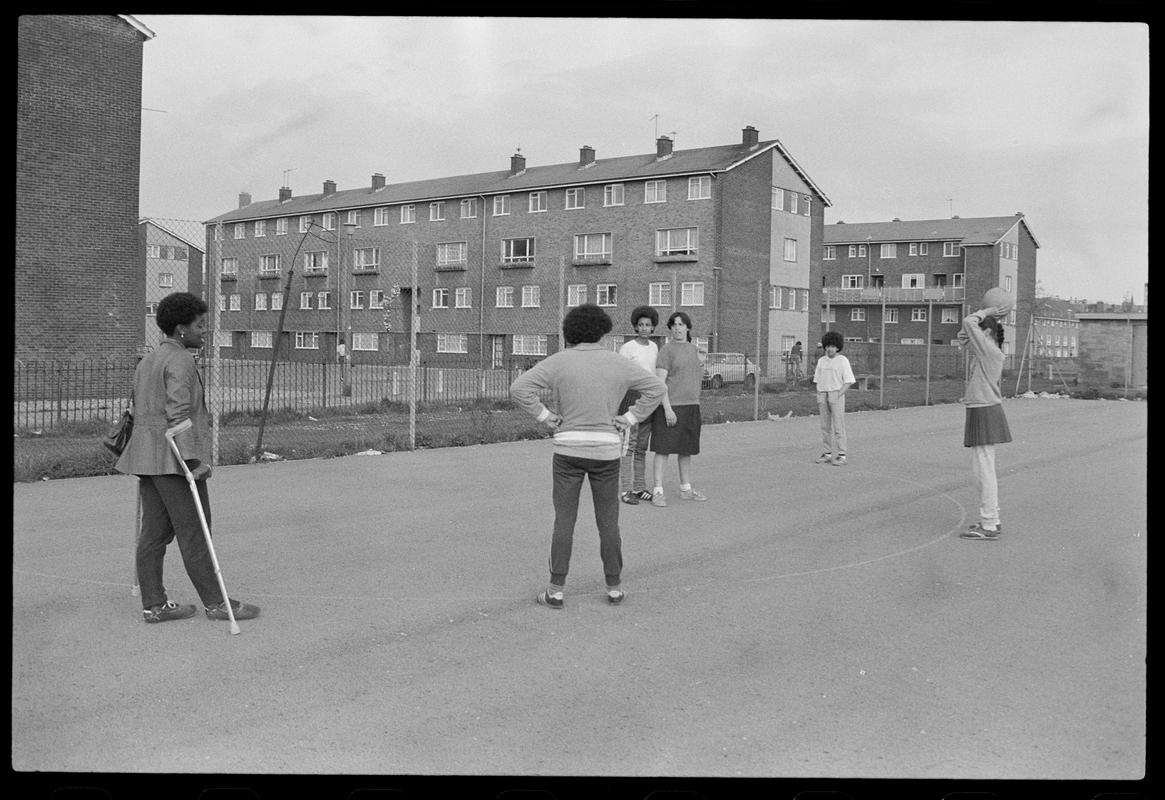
(870, 282)
(346, 309)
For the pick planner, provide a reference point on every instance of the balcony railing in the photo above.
(837, 295)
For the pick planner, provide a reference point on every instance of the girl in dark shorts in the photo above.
(675, 425)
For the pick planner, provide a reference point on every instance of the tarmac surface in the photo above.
(808, 621)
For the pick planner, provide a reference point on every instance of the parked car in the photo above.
(722, 368)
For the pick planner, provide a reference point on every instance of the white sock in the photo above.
(658, 490)
(685, 487)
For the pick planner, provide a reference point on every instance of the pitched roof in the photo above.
(170, 229)
(696, 161)
(969, 231)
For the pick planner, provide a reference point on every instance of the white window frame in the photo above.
(607, 295)
(776, 295)
(957, 280)
(260, 301)
(463, 297)
(861, 251)
(236, 302)
(528, 344)
(277, 301)
(923, 248)
(366, 342)
(328, 223)
(804, 299)
(281, 226)
(655, 191)
(380, 216)
(315, 262)
(356, 299)
(700, 187)
(913, 280)
(576, 197)
(807, 202)
(469, 208)
(613, 195)
(1007, 283)
(950, 316)
(304, 224)
(951, 250)
(305, 300)
(914, 248)
(891, 315)
(452, 253)
(584, 245)
(353, 217)
(376, 298)
(857, 314)
(269, 264)
(324, 301)
(440, 297)
(504, 297)
(437, 211)
(260, 228)
(576, 294)
(261, 340)
(307, 340)
(240, 230)
(166, 280)
(452, 343)
(531, 296)
(537, 204)
(918, 314)
(501, 205)
(778, 201)
(659, 293)
(888, 250)
(509, 246)
(790, 249)
(408, 214)
(366, 258)
(692, 293)
(854, 281)
(793, 197)
(667, 241)
(829, 253)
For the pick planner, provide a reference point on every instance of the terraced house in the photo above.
(501, 255)
(927, 275)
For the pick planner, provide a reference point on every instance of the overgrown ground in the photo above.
(75, 450)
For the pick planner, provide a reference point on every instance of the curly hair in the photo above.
(178, 308)
(832, 338)
(644, 311)
(681, 316)
(990, 323)
(584, 324)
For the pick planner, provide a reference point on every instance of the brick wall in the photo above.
(79, 292)
(746, 216)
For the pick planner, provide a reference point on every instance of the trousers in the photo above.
(568, 474)
(831, 408)
(983, 467)
(168, 513)
(633, 466)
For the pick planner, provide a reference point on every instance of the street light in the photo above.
(345, 305)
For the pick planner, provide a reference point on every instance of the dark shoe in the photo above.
(166, 612)
(643, 494)
(977, 531)
(242, 611)
(630, 498)
(615, 595)
(552, 600)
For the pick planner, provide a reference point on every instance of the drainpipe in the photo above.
(481, 298)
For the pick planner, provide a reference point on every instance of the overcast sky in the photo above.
(917, 120)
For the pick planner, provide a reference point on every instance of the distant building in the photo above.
(78, 287)
(1114, 349)
(1054, 337)
(713, 231)
(174, 263)
(928, 273)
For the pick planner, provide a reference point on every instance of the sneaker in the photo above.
(240, 609)
(658, 500)
(166, 612)
(643, 494)
(977, 531)
(824, 458)
(691, 494)
(548, 599)
(615, 595)
(838, 461)
(630, 498)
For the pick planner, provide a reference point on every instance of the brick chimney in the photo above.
(586, 156)
(662, 147)
(329, 188)
(244, 199)
(517, 164)
(284, 194)
(750, 137)
(377, 181)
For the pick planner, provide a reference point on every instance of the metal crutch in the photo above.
(185, 425)
(135, 590)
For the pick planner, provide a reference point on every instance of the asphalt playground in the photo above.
(808, 621)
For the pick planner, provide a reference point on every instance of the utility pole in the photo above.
(346, 311)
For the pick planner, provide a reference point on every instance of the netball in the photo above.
(996, 296)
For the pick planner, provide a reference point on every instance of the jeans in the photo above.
(569, 472)
(831, 407)
(168, 513)
(633, 465)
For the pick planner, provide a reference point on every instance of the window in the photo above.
(676, 241)
(364, 341)
(805, 202)
(790, 249)
(236, 302)
(940, 280)
(700, 187)
(779, 202)
(366, 258)
(576, 294)
(592, 245)
(829, 315)
(659, 294)
(830, 253)
(440, 298)
(501, 205)
(793, 202)
(957, 280)
(950, 316)
(437, 211)
(531, 296)
(923, 248)
(240, 230)
(276, 301)
(315, 261)
(307, 340)
(914, 248)
(804, 299)
(776, 293)
(324, 301)
(329, 221)
(853, 281)
(353, 217)
(692, 293)
(305, 300)
(576, 198)
(517, 250)
(222, 302)
(166, 279)
(151, 309)
(356, 299)
(260, 301)
(537, 202)
(268, 264)
(469, 208)
(376, 298)
(613, 194)
(853, 250)
(891, 315)
(408, 214)
(1007, 283)
(889, 250)
(911, 340)
(153, 251)
(452, 343)
(463, 297)
(918, 315)
(861, 251)
(505, 297)
(304, 224)
(605, 294)
(380, 216)
(913, 280)
(655, 192)
(451, 253)
(857, 314)
(281, 226)
(260, 227)
(951, 249)
(792, 299)
(526, 344)
(230, 266)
